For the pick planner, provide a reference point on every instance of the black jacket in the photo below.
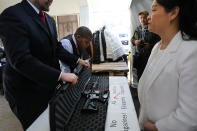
(32, 51)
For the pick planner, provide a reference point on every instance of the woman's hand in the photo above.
(149, 126)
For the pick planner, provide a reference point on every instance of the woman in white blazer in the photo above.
(168, 87)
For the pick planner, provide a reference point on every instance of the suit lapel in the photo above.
(163, 61)
(53, 38)
(41, 24)
(50, 32)
(50, 25)
(35, 16)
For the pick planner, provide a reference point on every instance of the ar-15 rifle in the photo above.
(93, 94)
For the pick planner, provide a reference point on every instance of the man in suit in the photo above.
(32, 71)
(143, 42)
(77, 44)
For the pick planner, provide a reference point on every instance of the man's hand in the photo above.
(84, 63)
(149, 126)
(69, 77)
(137, 42)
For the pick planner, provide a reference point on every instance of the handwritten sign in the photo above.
(121, 114)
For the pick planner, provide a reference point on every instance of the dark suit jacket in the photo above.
(32, 69)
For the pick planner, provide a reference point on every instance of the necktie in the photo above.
(41, 14)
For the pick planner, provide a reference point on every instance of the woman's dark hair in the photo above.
(187, 16)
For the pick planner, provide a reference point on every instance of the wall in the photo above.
(6, 3)
(84, 16)
(136, 7)
(59, 7)
(113, 13)
(62, 7)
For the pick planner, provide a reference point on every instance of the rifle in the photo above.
(62, 87)
(92, 94)
(95, 84)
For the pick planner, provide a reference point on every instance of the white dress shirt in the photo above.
(68, 46)
(35, 8)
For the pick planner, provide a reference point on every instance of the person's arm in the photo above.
(65, 56)
(17, 48)
(84, 63)
(69, 77)
(184, 118)
(135, 39)
(68, 47)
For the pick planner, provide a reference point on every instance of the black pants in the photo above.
(139, 62)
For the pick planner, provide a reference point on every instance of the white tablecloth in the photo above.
(121, 114)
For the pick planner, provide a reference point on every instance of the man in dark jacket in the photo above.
(143, 42)
(32, 50)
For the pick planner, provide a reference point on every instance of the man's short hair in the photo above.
(84, 32)
(144, 13)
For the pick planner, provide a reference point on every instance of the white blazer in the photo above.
(168, 94)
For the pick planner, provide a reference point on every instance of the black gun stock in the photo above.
(61, 87)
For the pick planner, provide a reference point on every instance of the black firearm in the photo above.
(61, 87)
(93, 94)
(80, 68)
(100, 96)
(95, 84)
(89, 106)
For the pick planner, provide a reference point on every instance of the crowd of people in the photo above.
(165, 52)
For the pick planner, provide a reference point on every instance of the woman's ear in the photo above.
(174, 13)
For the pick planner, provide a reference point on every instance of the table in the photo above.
(114, 68)
(121, 114)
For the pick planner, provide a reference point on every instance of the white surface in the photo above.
(42, 123)
(58, 7)
(84, 16)
(121, 114)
